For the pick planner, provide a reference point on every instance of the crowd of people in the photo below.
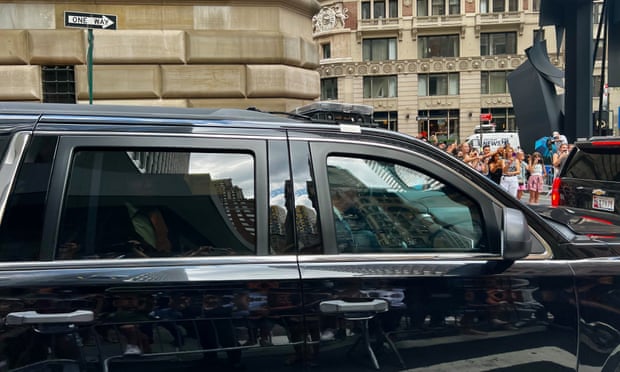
(513, 169)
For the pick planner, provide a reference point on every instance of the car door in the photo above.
(86, 282)
(411, 273)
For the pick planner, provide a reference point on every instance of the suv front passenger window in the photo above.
(381, 206)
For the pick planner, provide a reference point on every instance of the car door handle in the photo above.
(32, 317)
(374, 305)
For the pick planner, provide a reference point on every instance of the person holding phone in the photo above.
(510, 171)
(559, 158)
(537, 171)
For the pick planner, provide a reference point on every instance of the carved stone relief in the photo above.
(330, 18)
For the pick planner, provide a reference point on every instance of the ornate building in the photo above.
(179, 53)
(435, 67)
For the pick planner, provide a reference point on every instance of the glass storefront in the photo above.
(441, 123)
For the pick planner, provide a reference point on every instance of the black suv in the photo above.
(590, 177)
(164, 239)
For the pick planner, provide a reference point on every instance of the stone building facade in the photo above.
(178, 53)
(430, 66)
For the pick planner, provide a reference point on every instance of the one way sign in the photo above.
(90, 20)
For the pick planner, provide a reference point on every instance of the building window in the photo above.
(599, 49)
(498, 6)
(597, 11)
(387, 120)
(438, 84)
(492, 44)
(503, 117)
(494, 82)
(365, 9)
(536, 5)
(438, 46)
(539, 34)
(329, 88)
(596, 85)
(440, 124)
(513, 5)
(379, 49)
(58, 84)
(422, 8)
(379, 9)
(438, 7)
(327, 50)
(393, 8)
(454, 6)
(380, 86)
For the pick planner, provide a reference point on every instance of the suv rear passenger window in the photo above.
(140, 203)
(380, 206)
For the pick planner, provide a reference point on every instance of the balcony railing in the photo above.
(438, 21)
(379, 23)
(499, 18)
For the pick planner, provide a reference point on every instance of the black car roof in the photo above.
(29, 115)
(46, 111)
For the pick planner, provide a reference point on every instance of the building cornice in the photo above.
(421, 66)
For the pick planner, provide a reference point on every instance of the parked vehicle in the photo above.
(143, 238)
(495, 140)
(590, 177)
(595, 224)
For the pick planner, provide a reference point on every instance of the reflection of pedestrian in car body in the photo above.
(130, 312)
(216, 331)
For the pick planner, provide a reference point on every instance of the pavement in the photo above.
(544, 199)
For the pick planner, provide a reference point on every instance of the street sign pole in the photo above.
(91, 39)
(90, 21)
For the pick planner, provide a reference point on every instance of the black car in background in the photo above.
(144, 238)
(590, 176)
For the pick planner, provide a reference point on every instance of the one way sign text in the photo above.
(90, 20)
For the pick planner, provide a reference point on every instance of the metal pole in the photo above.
(91, 38)
(601, 87)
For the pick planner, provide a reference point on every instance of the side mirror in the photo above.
(517, 240)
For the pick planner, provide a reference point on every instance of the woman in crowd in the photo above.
(559, 158)
(477, 162)
(522, 177)
(464, 152)
(495, 167)
(537, 173)
(510, 171)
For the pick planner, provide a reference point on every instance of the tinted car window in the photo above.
(380, 206)
(22, 225)
(158, 204)
(601, 164)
